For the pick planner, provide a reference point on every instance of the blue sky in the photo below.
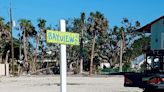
(144, 11)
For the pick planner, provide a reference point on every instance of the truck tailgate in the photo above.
(135, 79)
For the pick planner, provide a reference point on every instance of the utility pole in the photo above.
(12, 47)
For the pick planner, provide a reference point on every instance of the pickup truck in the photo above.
(151, 79)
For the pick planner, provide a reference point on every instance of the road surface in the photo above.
(74, 84)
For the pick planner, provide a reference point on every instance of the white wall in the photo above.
(104, 64)
(4, 69)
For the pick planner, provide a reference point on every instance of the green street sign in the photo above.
(62, 37)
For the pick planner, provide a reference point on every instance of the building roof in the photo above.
(147, 28)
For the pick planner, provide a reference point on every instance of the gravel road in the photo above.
(74, 84)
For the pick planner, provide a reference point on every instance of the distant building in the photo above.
(104, 65)
(139, 61)
(156, 28)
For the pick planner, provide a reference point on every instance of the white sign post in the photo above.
(63, 62)
(62, 38)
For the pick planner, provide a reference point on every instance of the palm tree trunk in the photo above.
(35, 58)
(42, 35)
(122, 44)
(121, 50)
(24, 45)
(92, 55)
(114, 60)
(81, 66)
(7, 55)
(0, 58)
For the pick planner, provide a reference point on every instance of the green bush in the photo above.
(126, 67)
(106, 70)
(109, 70)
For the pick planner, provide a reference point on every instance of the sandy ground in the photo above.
(74, 84)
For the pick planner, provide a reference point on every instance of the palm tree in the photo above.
(5, 38)
(34, 35)
(28, 31)
(24, 26)
(1, 30)
(36, 51)
(41, 25)
(97, 26)
(42, 35)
